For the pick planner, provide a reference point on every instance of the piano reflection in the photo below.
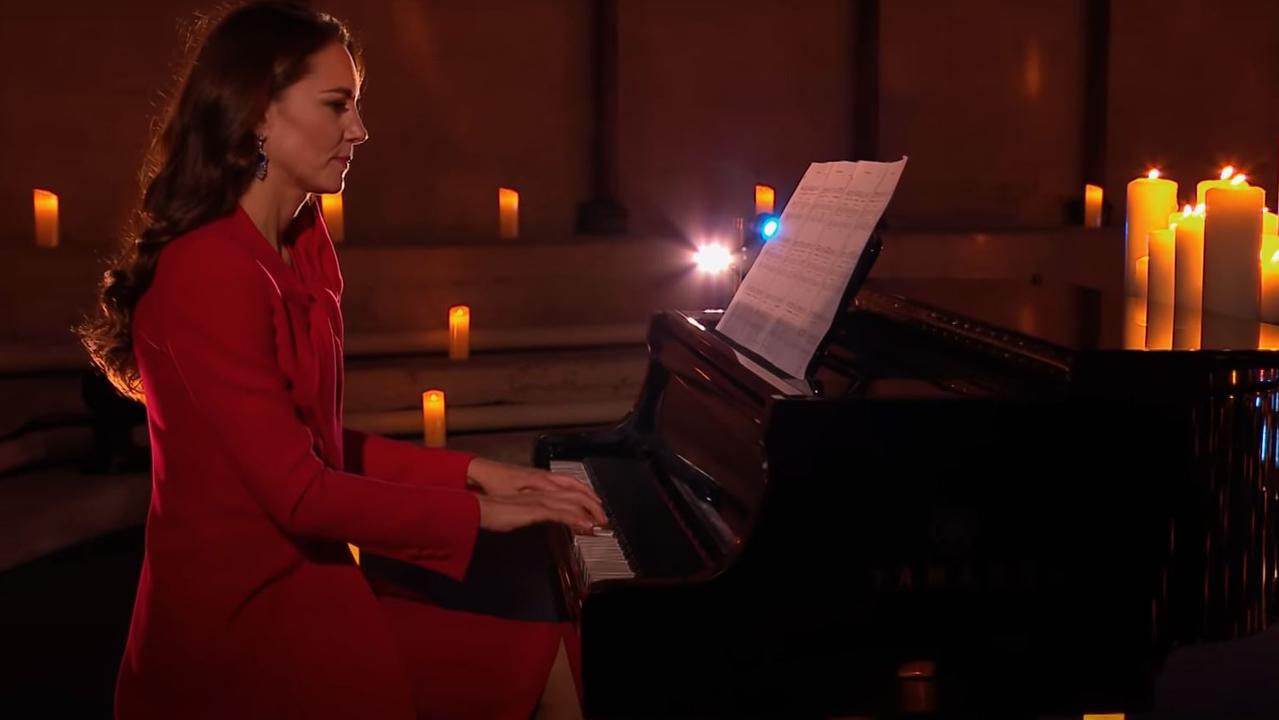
(979, 489)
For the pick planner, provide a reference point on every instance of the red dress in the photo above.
(249, 604)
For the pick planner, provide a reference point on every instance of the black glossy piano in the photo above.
(978, 504)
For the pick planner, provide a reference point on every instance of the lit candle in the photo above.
(508, 213)
(765, 199)
(1143, 275)
(433, 425)
(1270, 278)
(1092, 205)
(1201, 190)
(1188, 279)
(1150, 200)
(1159, 312)
(1232, 250)
(46, 215)
(1134, 323)
(1269, 223)
(459, 332)
(331, 208)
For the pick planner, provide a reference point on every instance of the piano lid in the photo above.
(1057, 317)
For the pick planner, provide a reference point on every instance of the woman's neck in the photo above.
(272, 208)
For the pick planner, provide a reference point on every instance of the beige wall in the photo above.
(714, 95)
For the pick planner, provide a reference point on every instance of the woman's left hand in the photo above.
(496, 478)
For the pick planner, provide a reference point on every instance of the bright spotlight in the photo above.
(713, 258)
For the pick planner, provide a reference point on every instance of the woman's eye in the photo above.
(338, 106)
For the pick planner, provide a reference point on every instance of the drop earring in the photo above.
(260, 171)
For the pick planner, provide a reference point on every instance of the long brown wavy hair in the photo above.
(204, 153)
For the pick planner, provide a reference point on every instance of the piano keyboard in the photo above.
(599, 555)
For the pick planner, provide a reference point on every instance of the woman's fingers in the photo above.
(567, 482)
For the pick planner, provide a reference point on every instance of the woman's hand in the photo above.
(503, 513)
(526, 495)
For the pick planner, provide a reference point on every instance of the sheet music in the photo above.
(788, 300)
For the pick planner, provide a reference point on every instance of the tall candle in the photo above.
(331, 207)
(765, 199)
(1160, 298)
(459, 332)
(1223, 180)
(1134, 323)
(508, 213)
(1188, 279)
(1232, 250)
(1093, 195)
(1150, 200)
(1270, 278)
(1269, 223)
(46, 218)
(433, 425)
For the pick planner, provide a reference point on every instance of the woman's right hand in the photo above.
(503, 513)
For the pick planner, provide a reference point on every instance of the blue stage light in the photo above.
(769, 226)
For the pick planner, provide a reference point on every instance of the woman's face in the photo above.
(312, 128)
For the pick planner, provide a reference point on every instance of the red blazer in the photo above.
(249, 604)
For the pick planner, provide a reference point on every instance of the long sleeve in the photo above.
(404, 462)
(219, 335)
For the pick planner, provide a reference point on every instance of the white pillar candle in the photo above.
(1159, 291)
(1150, 200)
(1270, 278)
(1232, 250)
(434, 428)
(46, 218)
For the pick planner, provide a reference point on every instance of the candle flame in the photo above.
(1153, 174)
(1227, 171)
(1188, 210)
(1238, 179)
(434, 397)
(1201, 209)
(1275, 258)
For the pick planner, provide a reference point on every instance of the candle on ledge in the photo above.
(434, 428)
(1150, 200)
(765, 199)
(1093, 195)
(508, 213)
(1223, 180)
(459, 332)
(1189, 277)
(331, 208)
(1232, 249)
(1270, 278)
(1160, 298)
(46, 218)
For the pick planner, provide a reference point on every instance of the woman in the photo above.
(222, 315)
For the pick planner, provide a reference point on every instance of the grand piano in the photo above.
(978, 503)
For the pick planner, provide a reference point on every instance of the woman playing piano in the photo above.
(222, 315)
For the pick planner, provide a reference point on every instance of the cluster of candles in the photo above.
(1219, 255)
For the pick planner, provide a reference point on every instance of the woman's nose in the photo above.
(357, 133)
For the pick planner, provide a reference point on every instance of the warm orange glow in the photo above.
(46, 218)
(508, 213)
(355, 552)
(1103, 716)
(433, 423)
(1269, 307)
(765, 199)
(1153, 174)
(1227, 171)
(331, 207)
(1093, 195)
(459, 332)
